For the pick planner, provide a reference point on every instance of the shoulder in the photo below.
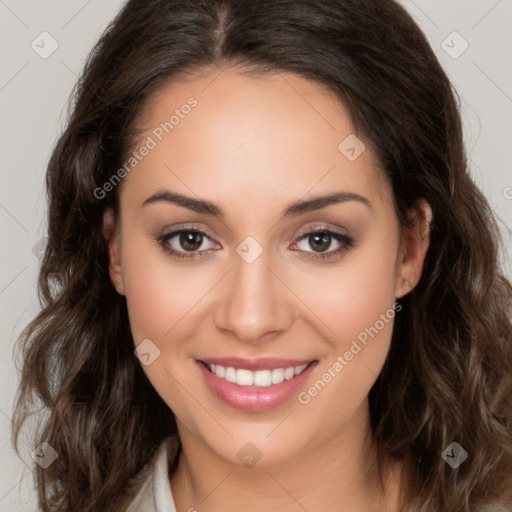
(155, 493)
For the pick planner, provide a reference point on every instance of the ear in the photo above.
(414, 242)
(110, 232)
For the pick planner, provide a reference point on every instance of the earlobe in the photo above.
(415, 241)
(112, 237)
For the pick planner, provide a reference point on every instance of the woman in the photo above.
(270, 283)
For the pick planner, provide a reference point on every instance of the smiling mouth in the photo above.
(258, 378)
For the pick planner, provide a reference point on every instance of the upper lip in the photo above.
(263, 363)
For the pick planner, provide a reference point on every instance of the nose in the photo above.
(255, 303)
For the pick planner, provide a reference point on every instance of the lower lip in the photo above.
(252, 398)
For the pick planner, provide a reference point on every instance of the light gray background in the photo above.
(33, 96)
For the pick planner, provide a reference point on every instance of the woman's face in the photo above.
(243, 169)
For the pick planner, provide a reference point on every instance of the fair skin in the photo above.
(253, 146)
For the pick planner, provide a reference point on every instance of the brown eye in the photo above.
(186, 244)
(190, 240)
(320, 241)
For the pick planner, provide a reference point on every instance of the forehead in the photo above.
(272, 136)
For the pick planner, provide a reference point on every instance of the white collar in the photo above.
(155, 494)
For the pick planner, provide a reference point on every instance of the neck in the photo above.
(337, 474)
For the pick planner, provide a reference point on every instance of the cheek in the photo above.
(161, 296)
(352, 296)
(159, 292)
(361, 314)
(356, 304)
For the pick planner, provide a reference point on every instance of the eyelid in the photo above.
(186, 226)
(322, 227)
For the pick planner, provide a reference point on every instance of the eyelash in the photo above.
(346, 242)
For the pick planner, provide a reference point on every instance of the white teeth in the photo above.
(289, 373)
(300, 369)
(277, 376)
(259, 378)
(229, 374)
(244, 377)
(262, 378)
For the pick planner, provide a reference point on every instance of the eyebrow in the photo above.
(293, 210)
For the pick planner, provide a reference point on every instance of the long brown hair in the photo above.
(452, 341)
